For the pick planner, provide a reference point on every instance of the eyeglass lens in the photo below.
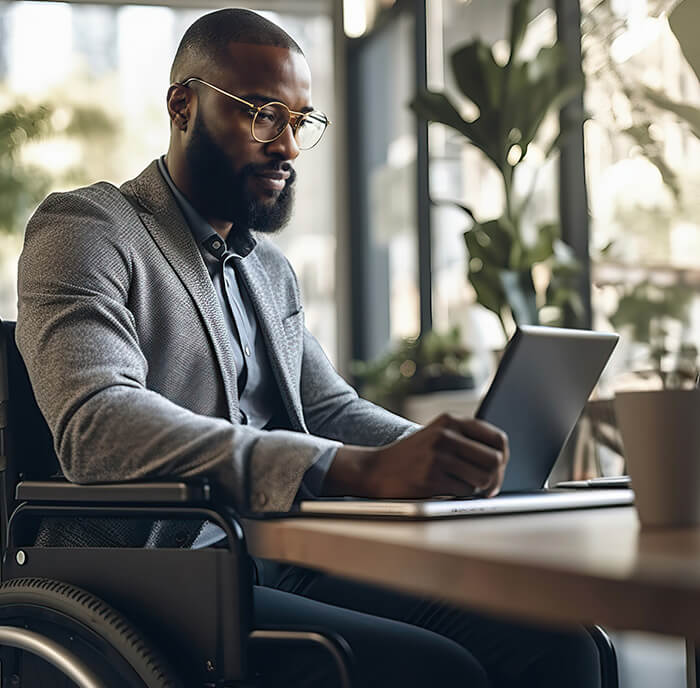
(271, 120)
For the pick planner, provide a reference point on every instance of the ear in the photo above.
(179, 103)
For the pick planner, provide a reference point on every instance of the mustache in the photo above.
(253, 168)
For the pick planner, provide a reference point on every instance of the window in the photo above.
(460, 173)
(102, 73)
(643, 168)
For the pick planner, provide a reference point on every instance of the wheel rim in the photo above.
(80, 641)
(52, 652)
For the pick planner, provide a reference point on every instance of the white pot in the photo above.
(661, 435)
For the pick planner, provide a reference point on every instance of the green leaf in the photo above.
(461, 206)
(653, 151)
(688, 113)
(684, 21)
(489, 290)
(646, 307)
(542, 90)
(519, 20)
(543, 248)
(491, 242)
(436, 107)
(478, 76)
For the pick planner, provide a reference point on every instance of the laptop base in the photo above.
(514, 503)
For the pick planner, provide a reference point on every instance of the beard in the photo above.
(225, 194)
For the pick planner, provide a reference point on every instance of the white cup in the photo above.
(661, 435)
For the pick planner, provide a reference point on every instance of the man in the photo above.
(163, 339)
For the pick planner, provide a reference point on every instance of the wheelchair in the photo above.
(105, 586)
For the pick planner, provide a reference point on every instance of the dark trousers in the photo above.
(403, 641)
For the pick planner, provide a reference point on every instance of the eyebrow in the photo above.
(262, 99)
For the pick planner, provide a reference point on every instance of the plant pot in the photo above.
(661, 436)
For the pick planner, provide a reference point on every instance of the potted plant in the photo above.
(513, 100)
(647, 312)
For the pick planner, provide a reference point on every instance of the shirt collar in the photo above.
(203, 232)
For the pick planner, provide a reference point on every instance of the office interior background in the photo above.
(377, 237)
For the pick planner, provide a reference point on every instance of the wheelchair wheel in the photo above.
(60, 627)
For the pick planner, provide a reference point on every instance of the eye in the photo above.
(267, 115)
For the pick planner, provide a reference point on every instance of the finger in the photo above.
(494, 488)
(470, 451)
(448, 485)
(477, 429)
(466, 473)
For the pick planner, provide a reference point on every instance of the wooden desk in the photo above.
(588, 566)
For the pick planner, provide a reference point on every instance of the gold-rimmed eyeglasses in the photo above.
(270, 120)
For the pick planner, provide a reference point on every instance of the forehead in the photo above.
(267, 70)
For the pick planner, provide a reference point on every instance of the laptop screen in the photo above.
(541, 386)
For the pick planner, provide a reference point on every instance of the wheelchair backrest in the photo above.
(29, 444)
(27, 452)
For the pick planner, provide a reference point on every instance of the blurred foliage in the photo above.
(513, 101)
(23, 183)
(600, 27)
(430, 363)
(648, 311)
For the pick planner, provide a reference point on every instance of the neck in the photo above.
(182, 178)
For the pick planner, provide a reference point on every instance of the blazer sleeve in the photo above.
(79, 341)
(332, 408)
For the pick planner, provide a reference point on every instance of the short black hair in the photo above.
(208, 37)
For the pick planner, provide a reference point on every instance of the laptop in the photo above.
(541, 386)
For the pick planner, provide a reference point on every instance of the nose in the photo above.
(285, 146)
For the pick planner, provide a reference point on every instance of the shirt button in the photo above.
(216, 244)
(247, 350)
(261, 499)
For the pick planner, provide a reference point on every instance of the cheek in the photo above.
(233, 137)
(241, 150)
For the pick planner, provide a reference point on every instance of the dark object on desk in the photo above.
(75, 558)
(611, 482)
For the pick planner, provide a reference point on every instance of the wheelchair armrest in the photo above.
(170, 492)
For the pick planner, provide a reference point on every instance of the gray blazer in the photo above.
(129, 357)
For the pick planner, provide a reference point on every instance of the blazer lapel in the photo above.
(166, 224)
(270, 320)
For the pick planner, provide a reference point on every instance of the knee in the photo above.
(428, 659)
(575, 655)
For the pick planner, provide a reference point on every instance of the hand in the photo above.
(450, 456)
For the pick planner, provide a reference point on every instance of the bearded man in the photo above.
(164, 336)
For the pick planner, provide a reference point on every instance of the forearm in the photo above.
(333, 409)
(128, 434)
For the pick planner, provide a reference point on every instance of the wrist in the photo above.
(347, 474)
